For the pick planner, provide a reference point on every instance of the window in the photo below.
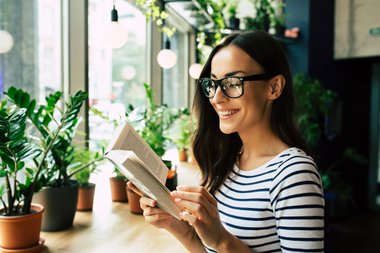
(116, 75)
(34, 62)
(175, 80)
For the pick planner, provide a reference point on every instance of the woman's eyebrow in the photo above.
(229, 74)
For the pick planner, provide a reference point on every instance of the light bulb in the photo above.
(117, 35)
(195, 70)
(128, 72)
(166, 58)
(6, 42)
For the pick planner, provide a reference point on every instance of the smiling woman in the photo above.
(261, 190)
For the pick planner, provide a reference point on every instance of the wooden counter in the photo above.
(111, 228)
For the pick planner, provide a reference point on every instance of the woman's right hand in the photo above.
(154, 215)
(161, 219)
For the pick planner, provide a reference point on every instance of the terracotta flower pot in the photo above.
(182, 155)
(118, 189)
(21, 232)
(134, 202)
(86, 197)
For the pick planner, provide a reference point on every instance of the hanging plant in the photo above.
(155, 13)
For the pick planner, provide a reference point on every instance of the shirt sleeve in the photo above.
(296, 197)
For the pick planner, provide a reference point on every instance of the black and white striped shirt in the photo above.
(278, 207)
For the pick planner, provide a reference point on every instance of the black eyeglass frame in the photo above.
(257, 77)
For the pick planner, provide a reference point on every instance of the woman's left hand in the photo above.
(201, 213)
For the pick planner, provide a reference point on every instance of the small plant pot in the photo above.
(182, 155)
(118, 190)
(86, 197)
(21, 232)
(134, 202)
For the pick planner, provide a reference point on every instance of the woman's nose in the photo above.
(219, 96)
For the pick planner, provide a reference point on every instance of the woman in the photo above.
(261, 191)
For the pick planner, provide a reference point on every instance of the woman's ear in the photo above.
(276, 85)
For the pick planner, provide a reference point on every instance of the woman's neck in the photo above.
(258, 148)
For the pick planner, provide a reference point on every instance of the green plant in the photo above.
(182, 129)
(155, 13)
(313, 102)
(265, 14)
(35, 145)
(232, 7)
(152, 122)
(84, 164)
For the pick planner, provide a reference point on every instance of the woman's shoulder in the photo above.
(295, 159)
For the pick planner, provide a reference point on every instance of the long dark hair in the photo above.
(216, 152)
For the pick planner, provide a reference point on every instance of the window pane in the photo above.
(34, 61)
(175, 91)
(116, 75)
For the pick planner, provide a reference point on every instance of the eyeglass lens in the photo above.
(231, 86)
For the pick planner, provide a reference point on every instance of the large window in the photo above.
(34, 61)
(116, 75)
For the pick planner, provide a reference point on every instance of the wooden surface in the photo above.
(111, 228)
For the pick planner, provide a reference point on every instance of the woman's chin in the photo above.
(227, 129)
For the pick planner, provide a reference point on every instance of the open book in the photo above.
(133, 157)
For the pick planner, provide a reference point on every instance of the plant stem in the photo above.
(85, 166)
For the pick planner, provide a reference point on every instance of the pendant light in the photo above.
(6, 39)
(196, 68)
(6, 42)
(118, 36)
(167, 58)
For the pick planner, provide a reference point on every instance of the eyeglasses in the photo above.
(232, 86)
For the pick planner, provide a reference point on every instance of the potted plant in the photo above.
(20, 219)
(28, 141)
(118, 184)
(54, 126)
(181, 132)
(313, 103)
(87, 159)
(152, 122)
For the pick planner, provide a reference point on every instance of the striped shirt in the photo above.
(278, 207)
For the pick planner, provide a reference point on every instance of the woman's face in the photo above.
(244, 113)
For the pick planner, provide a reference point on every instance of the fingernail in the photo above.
(177, 200)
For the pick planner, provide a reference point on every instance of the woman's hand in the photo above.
(154, 215)
(202, 213)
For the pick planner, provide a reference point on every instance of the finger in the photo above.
(193, 208)
(145, 201)
(190, 218)
(198, 189)
(159, 219)
(134, 188)
(199, 197)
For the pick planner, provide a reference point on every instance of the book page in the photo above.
(130, 165)
(129, 139)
